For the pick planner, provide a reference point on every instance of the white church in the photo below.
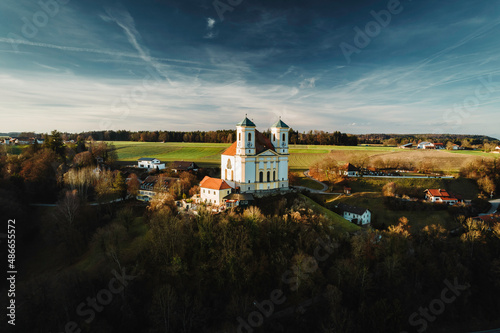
(252, 164)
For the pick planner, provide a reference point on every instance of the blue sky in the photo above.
(423, 67)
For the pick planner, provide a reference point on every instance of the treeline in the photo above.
(400, 139)
(219, 136)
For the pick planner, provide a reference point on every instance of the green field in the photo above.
(301, 156)
(336, 219)
(381, 215)
(208, 154)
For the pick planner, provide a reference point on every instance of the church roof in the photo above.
(214, 183)
(261, 145)
(231, 151)
(246, 122)
(280, 124)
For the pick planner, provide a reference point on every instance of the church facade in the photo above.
(255, 163)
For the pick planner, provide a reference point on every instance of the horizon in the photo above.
(359, 68)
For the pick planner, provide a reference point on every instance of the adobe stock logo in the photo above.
(424, 316)
(39, 19)
(372, 29)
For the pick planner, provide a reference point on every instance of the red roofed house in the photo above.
(213, 190)
(439, 145)
(440, 196)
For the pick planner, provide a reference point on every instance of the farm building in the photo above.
(440, 196)
(180, 166)
(349, 170)
(425, 145)
(356, 215)
(439, 145)
(238, 199)
(150, 163)
(407, 146)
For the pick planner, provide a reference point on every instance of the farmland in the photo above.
(301, 156)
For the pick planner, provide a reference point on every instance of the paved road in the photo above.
(325, 187)
(494, 207)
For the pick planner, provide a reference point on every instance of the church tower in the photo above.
(279, 137)
(245, 132)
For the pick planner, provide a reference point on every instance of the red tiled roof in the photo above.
(231, 151)
(214, 183)
(490, 219)
(443, 194)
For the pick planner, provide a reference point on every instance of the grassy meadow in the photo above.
(301, 156)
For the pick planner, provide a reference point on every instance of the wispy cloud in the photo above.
(210, 29)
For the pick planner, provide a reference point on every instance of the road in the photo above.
(494, 207)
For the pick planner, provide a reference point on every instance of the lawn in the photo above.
(381, 215)
(461, 186)
(301, 156)
(309, 183)
(335, 218)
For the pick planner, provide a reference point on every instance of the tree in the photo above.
(119, 185)
(55, 143)
(133, 185)
(487, 185)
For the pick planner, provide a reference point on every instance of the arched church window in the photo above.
(239, 136)
(274, 175)
(249, 137)
(228, 166)
(268, 176)
(261, 177)
(283, 137)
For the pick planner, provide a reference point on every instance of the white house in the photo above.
(150, 163)
(213, 190)
(152, 185)
(356, 215)
(349, 170)
(440, 196)
(425, 145)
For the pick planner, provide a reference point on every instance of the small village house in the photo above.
(180, 166)
(356, 215)
(152, 185)
(440, 196)
(150, 163)
(238, 199)
(349, 170)
(425, 145)
(213, 190)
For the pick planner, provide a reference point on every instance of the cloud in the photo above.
(308, 83)
(210, 27)
(84, 50)
(210, 23)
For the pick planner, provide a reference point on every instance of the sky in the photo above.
(410, 66)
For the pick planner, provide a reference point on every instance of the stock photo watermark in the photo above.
(292, 278)
(437, 306)
(221, 7)
(32, 25)
(122, 106)
(90, 306)
(465, 109)
(363, 37)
